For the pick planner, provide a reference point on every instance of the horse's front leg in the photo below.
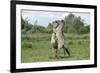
(58, 52)
(54, 51)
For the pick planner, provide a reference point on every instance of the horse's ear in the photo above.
(63, 21)
(56, 21)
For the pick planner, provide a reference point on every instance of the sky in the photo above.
(45, 17)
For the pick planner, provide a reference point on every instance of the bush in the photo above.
(79, 42)
(26, 45)
(70, 42)
(26, 37)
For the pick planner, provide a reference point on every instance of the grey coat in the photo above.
(58, 33)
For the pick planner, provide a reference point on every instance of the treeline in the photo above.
(73, 24)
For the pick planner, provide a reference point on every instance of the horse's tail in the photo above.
(66, 49)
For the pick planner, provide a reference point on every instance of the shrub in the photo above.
(70, 42)
(26, 45)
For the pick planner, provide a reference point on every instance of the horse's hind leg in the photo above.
(66, 50)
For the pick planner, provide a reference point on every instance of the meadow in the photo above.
(36, 47)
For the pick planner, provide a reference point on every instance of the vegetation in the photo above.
(73, 24)
(36, 47)
(35, 40)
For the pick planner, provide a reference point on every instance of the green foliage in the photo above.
(26, 45)
(49, 28)
(39, 28)
(25, 25)
(37, 48)
(35, 40)
(75, 24)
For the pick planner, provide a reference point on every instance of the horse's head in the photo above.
(57, 23)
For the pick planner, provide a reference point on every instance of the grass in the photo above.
(37, 48)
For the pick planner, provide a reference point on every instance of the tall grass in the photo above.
(36, 47)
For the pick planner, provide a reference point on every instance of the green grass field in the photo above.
(37, 48)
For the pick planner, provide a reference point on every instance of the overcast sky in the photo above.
(45, 17)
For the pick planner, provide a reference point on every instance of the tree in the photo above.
(69, 22)
(49, 28)
(78, 24)
(74, 24)
(25, 25)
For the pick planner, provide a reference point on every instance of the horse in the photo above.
(57, 38)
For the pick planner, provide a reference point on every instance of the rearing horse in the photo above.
(57, 39)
